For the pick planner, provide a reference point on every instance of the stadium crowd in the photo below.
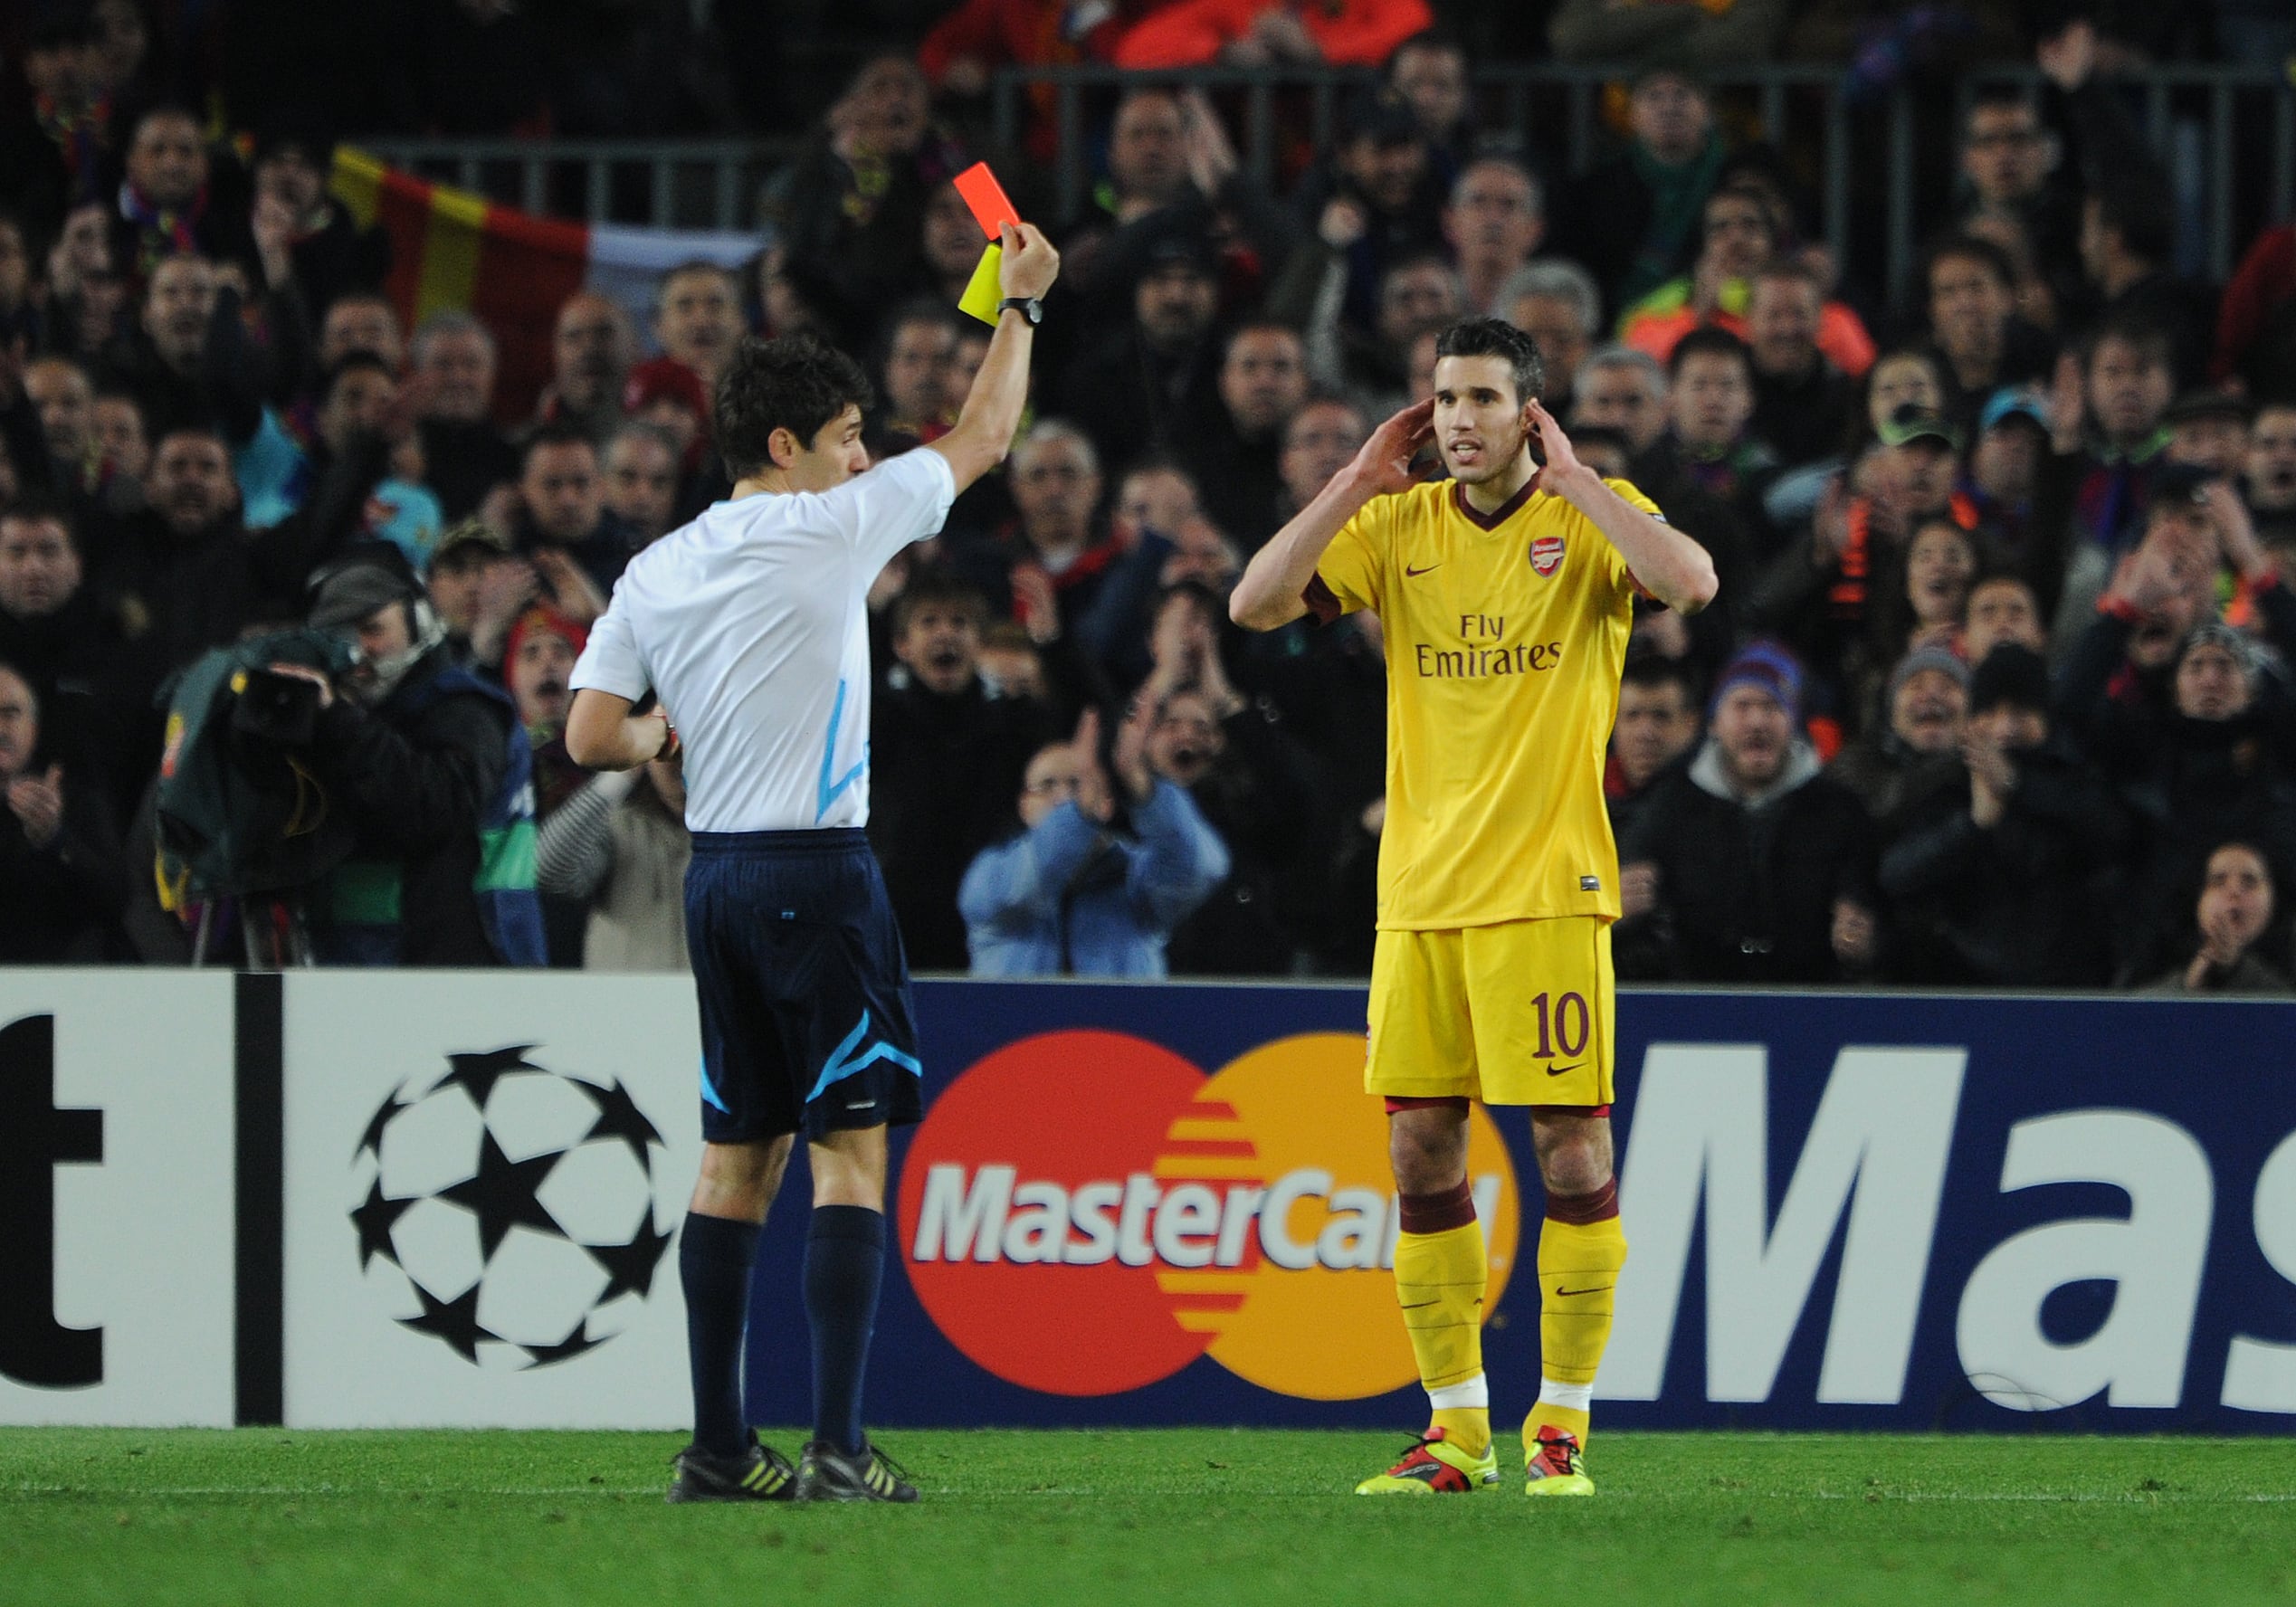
(1998, 691)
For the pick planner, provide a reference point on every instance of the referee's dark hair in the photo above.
(1496, 338)
(795, 384)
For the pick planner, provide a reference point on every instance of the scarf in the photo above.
(1677, 195)
(79, 133)
(161, 230)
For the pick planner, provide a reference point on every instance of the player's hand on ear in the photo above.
(1554, 446)
(1385, 459)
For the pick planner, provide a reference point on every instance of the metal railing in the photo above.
(2228, 136)
(2244, 157)
(687, 184)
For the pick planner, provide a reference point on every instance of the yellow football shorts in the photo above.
(1517, 1013)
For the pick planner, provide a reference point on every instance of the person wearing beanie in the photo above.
(1749, 866)
(431, 767)
(1919, 746)
(538, 659)
(1994, 881)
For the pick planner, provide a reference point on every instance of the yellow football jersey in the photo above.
(1505, 637)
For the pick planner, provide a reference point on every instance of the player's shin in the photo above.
(1441, 1269)
(1581, 1248)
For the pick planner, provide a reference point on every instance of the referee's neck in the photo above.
(772, 482)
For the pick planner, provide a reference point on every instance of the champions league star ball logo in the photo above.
(508, 1210)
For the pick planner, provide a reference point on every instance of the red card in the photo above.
(986, 196)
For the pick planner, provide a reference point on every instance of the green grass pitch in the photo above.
(1165, 1518)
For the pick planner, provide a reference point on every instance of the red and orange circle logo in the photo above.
(1085, 1212)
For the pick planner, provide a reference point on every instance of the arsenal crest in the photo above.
(1547, 555)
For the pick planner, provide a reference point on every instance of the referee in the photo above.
(750, 625)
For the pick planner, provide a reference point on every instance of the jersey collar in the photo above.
(1506, 510)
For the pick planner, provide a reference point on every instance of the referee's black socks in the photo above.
(844, 1268)
(714, 1255)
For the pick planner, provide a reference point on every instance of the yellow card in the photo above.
(981, 295)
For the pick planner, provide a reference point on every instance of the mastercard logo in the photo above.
(1086, 1213)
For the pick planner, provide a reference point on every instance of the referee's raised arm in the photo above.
(992, 412)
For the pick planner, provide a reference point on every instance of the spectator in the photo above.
(1494, 221)
(72, 653)
(619, 848)
(433, 768)
(1657, 725)
(2001, 607)
(1982, 344)
(1996, 882)
(1749, 866)
(2005, 471)
(63, 397)
(328, 254)
(2097, 490)
(914, 401)
(455, 370)
(1234, 450)
(63, 881)
(2256, 319)
(1917, 746)
(361, 322)
(2208, 430)
(697, 317)
(1555, 303)
(1322, 439)
(1377, 201)
(478, 588)
(1247, 775)
(2271, 468)
(1418, 296)
(1428, 73)
(591, 352)
(1072, 896)
(1741, 236)
(1271, 33)
(945, 761)
(564, 525)
(1144, 385)
(167, 206)
(2237, 916)
(1632, 218)
(1710, 397)
(1622, 389)
(1799, 397)
(123, 448)
(538, 659)
(642, 482)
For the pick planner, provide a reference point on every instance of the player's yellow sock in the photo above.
(1441, 1271)
(1581, 1248)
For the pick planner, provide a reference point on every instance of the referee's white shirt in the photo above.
(751, 625)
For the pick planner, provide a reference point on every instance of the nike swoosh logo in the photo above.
(1408, 570)
(1598, 1289)
(1559, 1070)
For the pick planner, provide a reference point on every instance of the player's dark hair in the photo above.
(795, 384)
(1970, 248)
(1709, 341)
(557, 433)
(928, 589)
(1496, 338)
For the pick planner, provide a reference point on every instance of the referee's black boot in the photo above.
(761, 1473)
(825, 1473)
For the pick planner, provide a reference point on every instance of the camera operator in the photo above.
(432, 767)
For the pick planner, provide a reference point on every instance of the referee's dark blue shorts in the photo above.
(806, 1016)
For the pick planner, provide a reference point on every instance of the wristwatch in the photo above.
(1028, 306)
